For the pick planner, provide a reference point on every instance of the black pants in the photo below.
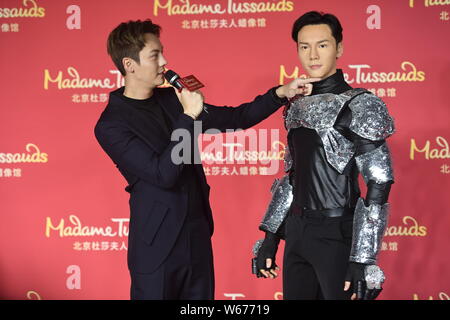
(316, 257)
(187, 273)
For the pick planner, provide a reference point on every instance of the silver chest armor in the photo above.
(370, 120)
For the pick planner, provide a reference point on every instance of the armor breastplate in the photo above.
(319, 112)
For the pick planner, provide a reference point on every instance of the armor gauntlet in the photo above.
(279, 205)
(369, 225)
(371, 217)
(272, 221)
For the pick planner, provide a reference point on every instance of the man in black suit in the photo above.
(169, 244)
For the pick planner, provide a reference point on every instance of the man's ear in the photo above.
(128, 64)
(340, 50)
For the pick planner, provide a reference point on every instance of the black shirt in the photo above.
(151, 108)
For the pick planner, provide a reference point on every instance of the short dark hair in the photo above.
(315, 17)
(127, 40)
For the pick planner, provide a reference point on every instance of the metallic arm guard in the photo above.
(279, 205)
(376, 165)
(369, 223)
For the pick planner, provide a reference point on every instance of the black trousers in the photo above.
(187, 273)
(316, 256)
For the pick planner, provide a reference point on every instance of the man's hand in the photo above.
(365, 279)
(300, 86)
(355, 273)
(371, 286)
(192, 102)
(265, 259)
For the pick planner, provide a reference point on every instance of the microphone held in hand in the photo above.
(190, 82)
(172, 77)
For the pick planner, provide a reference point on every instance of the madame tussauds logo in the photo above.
(75, 228)
(410, 228)
(187, 7)
(33, 155)
(363, 74)
(73, 80)
(30, 9)
(429, 3)
(442, 150)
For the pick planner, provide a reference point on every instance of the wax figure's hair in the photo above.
(314, 18)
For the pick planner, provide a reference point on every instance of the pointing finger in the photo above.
(308, 80)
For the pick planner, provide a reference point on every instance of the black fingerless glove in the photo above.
(355, 272)
(268, 250)
(356, 275)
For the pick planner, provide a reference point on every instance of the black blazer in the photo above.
(141, 150)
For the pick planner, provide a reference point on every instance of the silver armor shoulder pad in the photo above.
(370, 117)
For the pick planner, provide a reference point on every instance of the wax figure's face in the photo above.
(149, 70)
(318, 51)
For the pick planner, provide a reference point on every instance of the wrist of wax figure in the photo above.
(355, 272)
(355, 276)
(268, 250)
(365, 280)
(377, 193)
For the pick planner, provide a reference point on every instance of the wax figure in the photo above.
(333, 234)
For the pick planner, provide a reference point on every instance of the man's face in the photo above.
(317, 50)
(150, 70)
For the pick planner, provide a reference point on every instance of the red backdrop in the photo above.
(63, 208)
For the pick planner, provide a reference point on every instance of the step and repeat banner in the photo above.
(64, 212)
